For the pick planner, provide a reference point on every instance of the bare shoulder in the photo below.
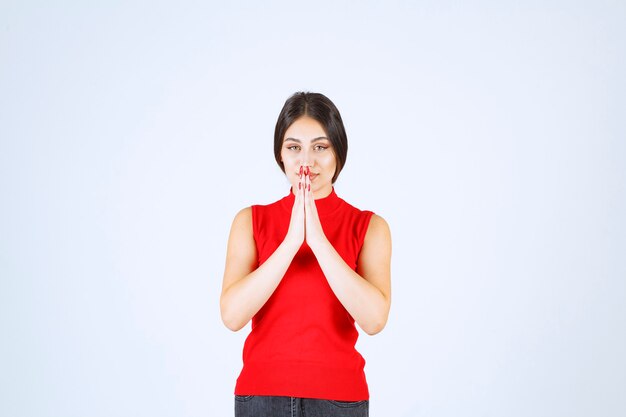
(243, 216)
(241, 240)
(241, 252)
(374, 261)
(377, 230)
(377, 243)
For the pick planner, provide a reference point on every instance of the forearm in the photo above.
(366, 304)
(243, 299)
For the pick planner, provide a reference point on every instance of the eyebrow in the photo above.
(314, 140)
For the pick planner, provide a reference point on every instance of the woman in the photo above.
(304, 269)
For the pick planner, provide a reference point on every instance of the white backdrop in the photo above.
(490, 135)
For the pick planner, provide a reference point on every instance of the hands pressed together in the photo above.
(305, 224)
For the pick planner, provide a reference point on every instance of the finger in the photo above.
(297, 205)
(304, 181)
(308, 181)
(299, 174)
(307, 191)
(298, 195)
(301, 186)
(300, 182)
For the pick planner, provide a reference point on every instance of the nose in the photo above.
(307, 161)
(307, 158)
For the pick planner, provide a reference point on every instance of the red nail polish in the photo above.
(309, 187)
(307, 171)
(301, 169)
(299, 185)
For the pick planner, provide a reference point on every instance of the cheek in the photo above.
(329, 161)
(289, 162)
(285, 158)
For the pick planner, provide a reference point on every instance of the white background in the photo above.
(490, 135)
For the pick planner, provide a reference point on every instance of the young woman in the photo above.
(304, 269)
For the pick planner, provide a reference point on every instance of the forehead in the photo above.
(305, 128)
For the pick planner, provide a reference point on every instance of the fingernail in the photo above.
(301, 169)
(307, 171)
(309, 187)
(299, 185)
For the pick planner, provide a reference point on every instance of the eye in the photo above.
(320, 148)
(293, 147)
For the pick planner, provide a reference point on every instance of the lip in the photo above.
(312, 175)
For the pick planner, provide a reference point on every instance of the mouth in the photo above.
(311, 175)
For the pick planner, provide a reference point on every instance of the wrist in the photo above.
(317, 243)
(292, 245)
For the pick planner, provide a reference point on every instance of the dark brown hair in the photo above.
(319, 107)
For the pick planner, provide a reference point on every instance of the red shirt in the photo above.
(302, 342)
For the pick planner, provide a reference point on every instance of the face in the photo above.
(306, 144)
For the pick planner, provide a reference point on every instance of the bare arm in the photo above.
(246, 289)
(366, 295)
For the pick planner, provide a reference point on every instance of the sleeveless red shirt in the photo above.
(302, 342)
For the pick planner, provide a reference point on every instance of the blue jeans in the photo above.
(274, 406)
